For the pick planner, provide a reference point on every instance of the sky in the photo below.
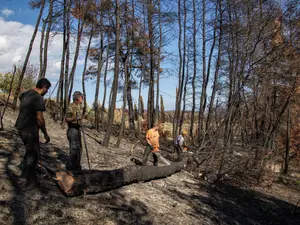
(17, 21)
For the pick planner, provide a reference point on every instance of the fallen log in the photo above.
(94, 181)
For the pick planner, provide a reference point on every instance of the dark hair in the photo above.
(43, 83)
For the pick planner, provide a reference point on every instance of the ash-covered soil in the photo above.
(178, 199)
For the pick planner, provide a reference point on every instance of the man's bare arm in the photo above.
(41, 122)
(42, 125)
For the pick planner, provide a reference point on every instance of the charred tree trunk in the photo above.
(195, 67)
(66, 83)
(124, 106)
(204, 81)
(287, 147)
(84, 68)
(105, 85)
(116, 77)
(42, 46)
(126, 76)
(184, 95)
(60, 90)
(72, 73)
(218, 63)
(150, 108)
(98, 181)
(157, 114)
(129, 87)
(49, 22)
(96, 105)
(16, 95)
(181, 90)
(178, 100)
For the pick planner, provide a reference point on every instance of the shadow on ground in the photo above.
(226, 204)
(48, 205)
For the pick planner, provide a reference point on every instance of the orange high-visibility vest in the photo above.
(152, 137)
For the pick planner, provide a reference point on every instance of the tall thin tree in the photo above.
(42, 6)
(116, 76)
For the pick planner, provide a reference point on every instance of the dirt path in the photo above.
(178, 199)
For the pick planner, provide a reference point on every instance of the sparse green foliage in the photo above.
(28, 81)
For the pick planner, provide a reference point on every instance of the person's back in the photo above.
(31, 103)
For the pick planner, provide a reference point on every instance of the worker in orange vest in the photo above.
(152, 138)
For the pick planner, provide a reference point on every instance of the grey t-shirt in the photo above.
(31, 103)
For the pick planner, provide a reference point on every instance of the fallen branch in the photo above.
(78, 183)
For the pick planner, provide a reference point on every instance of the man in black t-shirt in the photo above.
(29, 122)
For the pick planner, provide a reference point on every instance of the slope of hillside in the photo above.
(178, 199)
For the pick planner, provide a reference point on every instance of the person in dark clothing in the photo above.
(28, 124)
(73, 118)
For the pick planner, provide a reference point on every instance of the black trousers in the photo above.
(75, 149)
(30, 138)
(178, 151)
(146, 155)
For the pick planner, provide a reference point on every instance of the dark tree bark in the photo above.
(204, 75)
(195, 67)
(66, 82)
(182, 90)
(184, 94)
(16, 95)
(126, 75)
(84, 68)
(98, 181)
(287, 147)
(157, 114)
(49, 25)
(129, 86)
(150, 105)
(116, 77)
(42, 47)
(178, 100)
(218, 63)
(105, 85)
(96, 105)
(80, 26)
(60, 90)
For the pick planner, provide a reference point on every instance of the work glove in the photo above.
(47, 138)
(155, 150)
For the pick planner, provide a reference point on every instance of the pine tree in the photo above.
(142, 107)
(162, 112)
(136, 113)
